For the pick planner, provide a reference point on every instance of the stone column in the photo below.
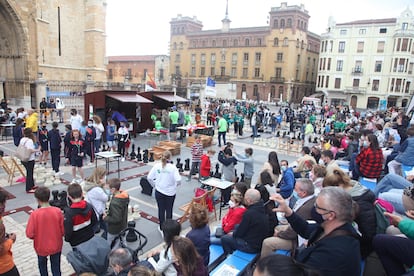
(2, 80)
(40, 90)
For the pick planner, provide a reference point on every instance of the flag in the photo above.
(149, 83)
(210, 90)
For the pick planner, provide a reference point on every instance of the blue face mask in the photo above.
(283, 168)
(295, 195)
(365, 144)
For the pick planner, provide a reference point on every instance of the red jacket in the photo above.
(233, 217)
(370, 162)
(45, 228)
(205, 166)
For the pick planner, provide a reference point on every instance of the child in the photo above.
(123, 137)
(55, 141)
(110, 135)
(66, 142)
(44, 144)
(76, 153)
(205, 165)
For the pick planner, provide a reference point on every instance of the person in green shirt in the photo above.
(222, 129)
(187, 118)
(174, 121)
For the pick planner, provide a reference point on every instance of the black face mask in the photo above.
(316, 216)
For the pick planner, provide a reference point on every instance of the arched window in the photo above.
(235, 43)
(243, 87)
(213, 43)
(301, 24)
(175, 46)
(302, 44)
(224, 43)
(280, 92)
(289, 23)
(181, 45)
(272, 92)
(259, 42)
(297, 43)
(255, 90)
(285, 41)
(282, 23)
(246, 42)
(276, 41)
(275, 24)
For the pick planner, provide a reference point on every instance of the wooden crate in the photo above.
(157, 154)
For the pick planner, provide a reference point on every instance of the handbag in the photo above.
(23, 153)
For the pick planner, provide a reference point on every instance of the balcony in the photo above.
(223, 78)
(355, 90)
(277, 80)
(357, 71)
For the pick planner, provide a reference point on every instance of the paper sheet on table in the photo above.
(226, 270)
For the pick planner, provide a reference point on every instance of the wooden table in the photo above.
(107, 155)
(220, 184)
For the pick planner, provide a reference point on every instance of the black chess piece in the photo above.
(180, 169)
(145, 156)
(315, 140)
(139, 155)
(187, 164)
(299, 136)
(320, 131)
(278, 133)
(242, 177)
(211, 173)
(216, 173)
(284, 134)
(178, 163)
(133, 155)
(151, 156)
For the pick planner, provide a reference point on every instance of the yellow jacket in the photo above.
(32, 121)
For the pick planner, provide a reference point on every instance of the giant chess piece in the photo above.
(278, 133)
(139, 155)
(145, 156)
(151, 158)
(299, 136)
(315, 140)
(216, 173)
(242, 177)
(187, 164)
(133, 155)
(178, 163)
(180, 169)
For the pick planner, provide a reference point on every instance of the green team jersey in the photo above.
(222, 125)
(174, 117)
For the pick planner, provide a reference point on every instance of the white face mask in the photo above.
(231, 204)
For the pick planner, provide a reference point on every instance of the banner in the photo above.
(149, 83)
(210, 90)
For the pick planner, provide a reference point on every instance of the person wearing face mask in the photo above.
(405, 155)
(123, 137)
(329, 162)
(333, 245)
(287, 183)
(284, 237)
(305, 163)
(316, 175)
(247, 159)
(43, 138)
(90, 135)
(97, 197)
(369, 161)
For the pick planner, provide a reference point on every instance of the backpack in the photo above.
(383, 222)
(146, 186)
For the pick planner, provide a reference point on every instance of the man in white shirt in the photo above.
(75, 119)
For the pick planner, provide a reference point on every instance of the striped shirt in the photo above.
(196, 151)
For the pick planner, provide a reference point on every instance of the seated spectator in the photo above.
(317, 174)
(187, 260)
(284, 236)
(267, 189)
(305, 163)
(328, 159)
(253, 228)
(276, 265)
(405, 155)
(393, 181)
(333, 245)
(120, 260)
(287, 183)
(365, 218)
(368, 163)
(171, 229)
(401, 198)
(140, 270)
(316, 153)
(200, 231)
(395, 252)
(272, 166)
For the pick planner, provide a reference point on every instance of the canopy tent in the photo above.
(171, 98)
(129, 98)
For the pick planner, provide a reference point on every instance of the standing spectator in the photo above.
(97, 197)
(205, 165)
(117, 215)
(51, 106)
(66, 142)
(196, 153)
(99, 129)
(32, 121)
(222, 130)
(59, 109)
(369, 161)
(43, 109)
(55, 143)
(75, 119)
(247, 159)
(18, 131)
(138, 116)
(76, 153)
(188, 261)
(309, 130)
(174, 115)
(79, 218)
(123, 138)
(21, 113)
(200, 231)
(228, 162)
(89, 139)
(45, 228)
(165, 177)
(3, 104)
(7, 266)
(110, 135)
(287, 183)
(29, 142)
(255, 124)
(44, 144)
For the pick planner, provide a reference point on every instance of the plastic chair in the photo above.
(405, 169)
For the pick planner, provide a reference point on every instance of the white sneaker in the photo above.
(161, 232)
(123, 159)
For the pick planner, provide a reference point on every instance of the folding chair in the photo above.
(187, 207)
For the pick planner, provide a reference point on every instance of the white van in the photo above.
(312, 101)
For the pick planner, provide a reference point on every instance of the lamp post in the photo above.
(174, 86)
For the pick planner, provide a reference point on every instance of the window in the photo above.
(404, 45)
(285, 42)
(358, 66)
(213, 43)
(341, 47)
(245, 73)
(245, 58)
(322, 46)
(375, 85)
(272, 92)
(362, 31)
(327, 82)
(360, 47)
(383, 30)
(161, 74)
(282, 23)
(279, 57)
(203, 43)
(234, 58)
(297, 43)
(235, 43)
(246, 42)
(401, 63)
(255, 90)
(224, 43)
(280, 92)
(289, 23)
(194, 44)
(222, 71)
(181, 45)
(212, 71)
(398, 85)
(193, 59)
(177, 70)
(177, 58)
(175, 46)
(339, 65)
(110, 74)
(328, 67)
(298, 59)
(243, 88)
(257, 72)
(275, 24)
(203, 59)
(378, 66)
(276, 41)
(380, 46)
(410, 68)
(355, 83)
(213, 59)
(404, 26)
(193, 71)
(278, 72)
(337, 83)
(202, 71)
(258, 56)
(233, 72)
(342, 32)
(259, 42)
(223, 57)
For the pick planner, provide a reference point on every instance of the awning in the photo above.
(171, 98)
(128, 98)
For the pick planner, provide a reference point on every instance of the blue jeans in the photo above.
(254, 130)
(54, 263)
(221, 134)
(231, 244)
(391, 181)
(165, 206)
(394, 196)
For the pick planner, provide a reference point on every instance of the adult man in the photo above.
(45, 228)
(43, 106)
(120, 260)
(75, 119)
(247, 159)
(253, 228)
(309, 130)
(117, 215)
(328, 160)
(174, 121)
(196, 153)
(333, 245)
(79, 218)
(305, 163)
(52, 108)
(284, 236)
(222, 130)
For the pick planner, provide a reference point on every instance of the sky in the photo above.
(141, 27)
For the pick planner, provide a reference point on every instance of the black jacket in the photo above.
(55, 139)
(254, 226)
(79, 222)
(334, 255)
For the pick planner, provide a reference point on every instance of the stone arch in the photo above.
(14, 70)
